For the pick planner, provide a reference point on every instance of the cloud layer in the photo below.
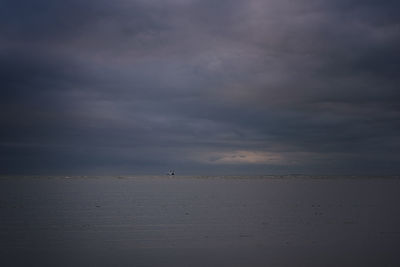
(199, 86)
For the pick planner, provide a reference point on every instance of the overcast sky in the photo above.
(200, 86)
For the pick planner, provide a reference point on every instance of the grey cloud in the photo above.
(49, 21)
(135, 85)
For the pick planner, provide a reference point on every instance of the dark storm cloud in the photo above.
(52, 21)
(252, 86)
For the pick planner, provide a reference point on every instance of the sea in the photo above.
(266, 220)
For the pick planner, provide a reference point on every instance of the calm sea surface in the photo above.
(200, 221)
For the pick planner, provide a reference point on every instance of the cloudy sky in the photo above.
(200, 86)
